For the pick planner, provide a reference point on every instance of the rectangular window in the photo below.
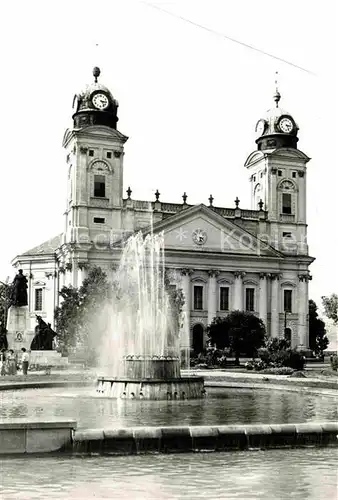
(108, 154)
(91, 152)
(288, 301)
(198, 297)
(286, 203)
(99, 186)
(286, 235)
(99, 220)
(224, 298)
(249, 299)
(280, 173)
(294, 175)
(38, 299)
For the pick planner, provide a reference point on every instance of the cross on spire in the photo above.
(237, 201)
(276, 96)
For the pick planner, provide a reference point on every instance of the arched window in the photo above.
(287, 197)
(198, 338)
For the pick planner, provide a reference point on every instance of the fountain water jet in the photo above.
(141, 351)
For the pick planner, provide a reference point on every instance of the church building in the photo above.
(223, 258)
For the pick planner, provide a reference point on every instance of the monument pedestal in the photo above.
(47, 358)
(18, 328)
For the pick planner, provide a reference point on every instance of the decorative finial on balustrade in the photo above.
(211, 199)
(129, 191)
(185, 196)
(260, 204)
(237, 201)
(157, 194)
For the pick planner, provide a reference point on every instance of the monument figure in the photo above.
(44, 335)
(19, 290)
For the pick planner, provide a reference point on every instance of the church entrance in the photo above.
(198, 338)
(287, 334)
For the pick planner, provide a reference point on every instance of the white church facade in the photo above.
(223, 258)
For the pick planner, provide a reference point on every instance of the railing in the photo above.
(245, 214)
(225, 212)
(99, 202)
(143, 205)
(172, 207)
(287, 218)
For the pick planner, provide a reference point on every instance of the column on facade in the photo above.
(82, 268)
(186, 289)
(238, 290)
(263, 298)
(212, 295)
(49, 300)
(303, 307)
(68, 274)
(62, 277)
(274, 326)
(273, 198)
(301, 198)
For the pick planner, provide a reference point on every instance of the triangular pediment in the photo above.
(282, 153)
(201, 229)
(97, 131)
(290, 153)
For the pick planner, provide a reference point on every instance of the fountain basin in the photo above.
(155, 367)
(154, 389)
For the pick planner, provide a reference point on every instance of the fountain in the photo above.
(141, 355)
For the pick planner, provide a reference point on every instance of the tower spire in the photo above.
(277, 95)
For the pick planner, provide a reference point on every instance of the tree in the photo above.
(331, 307)
(79, 319)
(318, 340)
(5, 293)
(242, 332)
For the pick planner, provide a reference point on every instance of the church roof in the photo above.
(47, 247)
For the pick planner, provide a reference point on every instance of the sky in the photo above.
(189, 101)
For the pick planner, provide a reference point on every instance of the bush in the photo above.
(256, 365)
(209, 358)
(278, 353)
(281, 370)
(334, 363)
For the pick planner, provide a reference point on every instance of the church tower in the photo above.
(278, 179)
(94, 155)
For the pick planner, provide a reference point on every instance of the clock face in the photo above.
(286, 125)
(100, 101)
(199, 236)
(260, 127)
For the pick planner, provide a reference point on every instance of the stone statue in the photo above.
(19, 290)
(44, 335)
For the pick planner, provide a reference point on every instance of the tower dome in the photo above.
(95, 105)
(277, 128)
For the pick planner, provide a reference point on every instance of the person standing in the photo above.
(11, 362)
(3, 362)
(24, 361)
